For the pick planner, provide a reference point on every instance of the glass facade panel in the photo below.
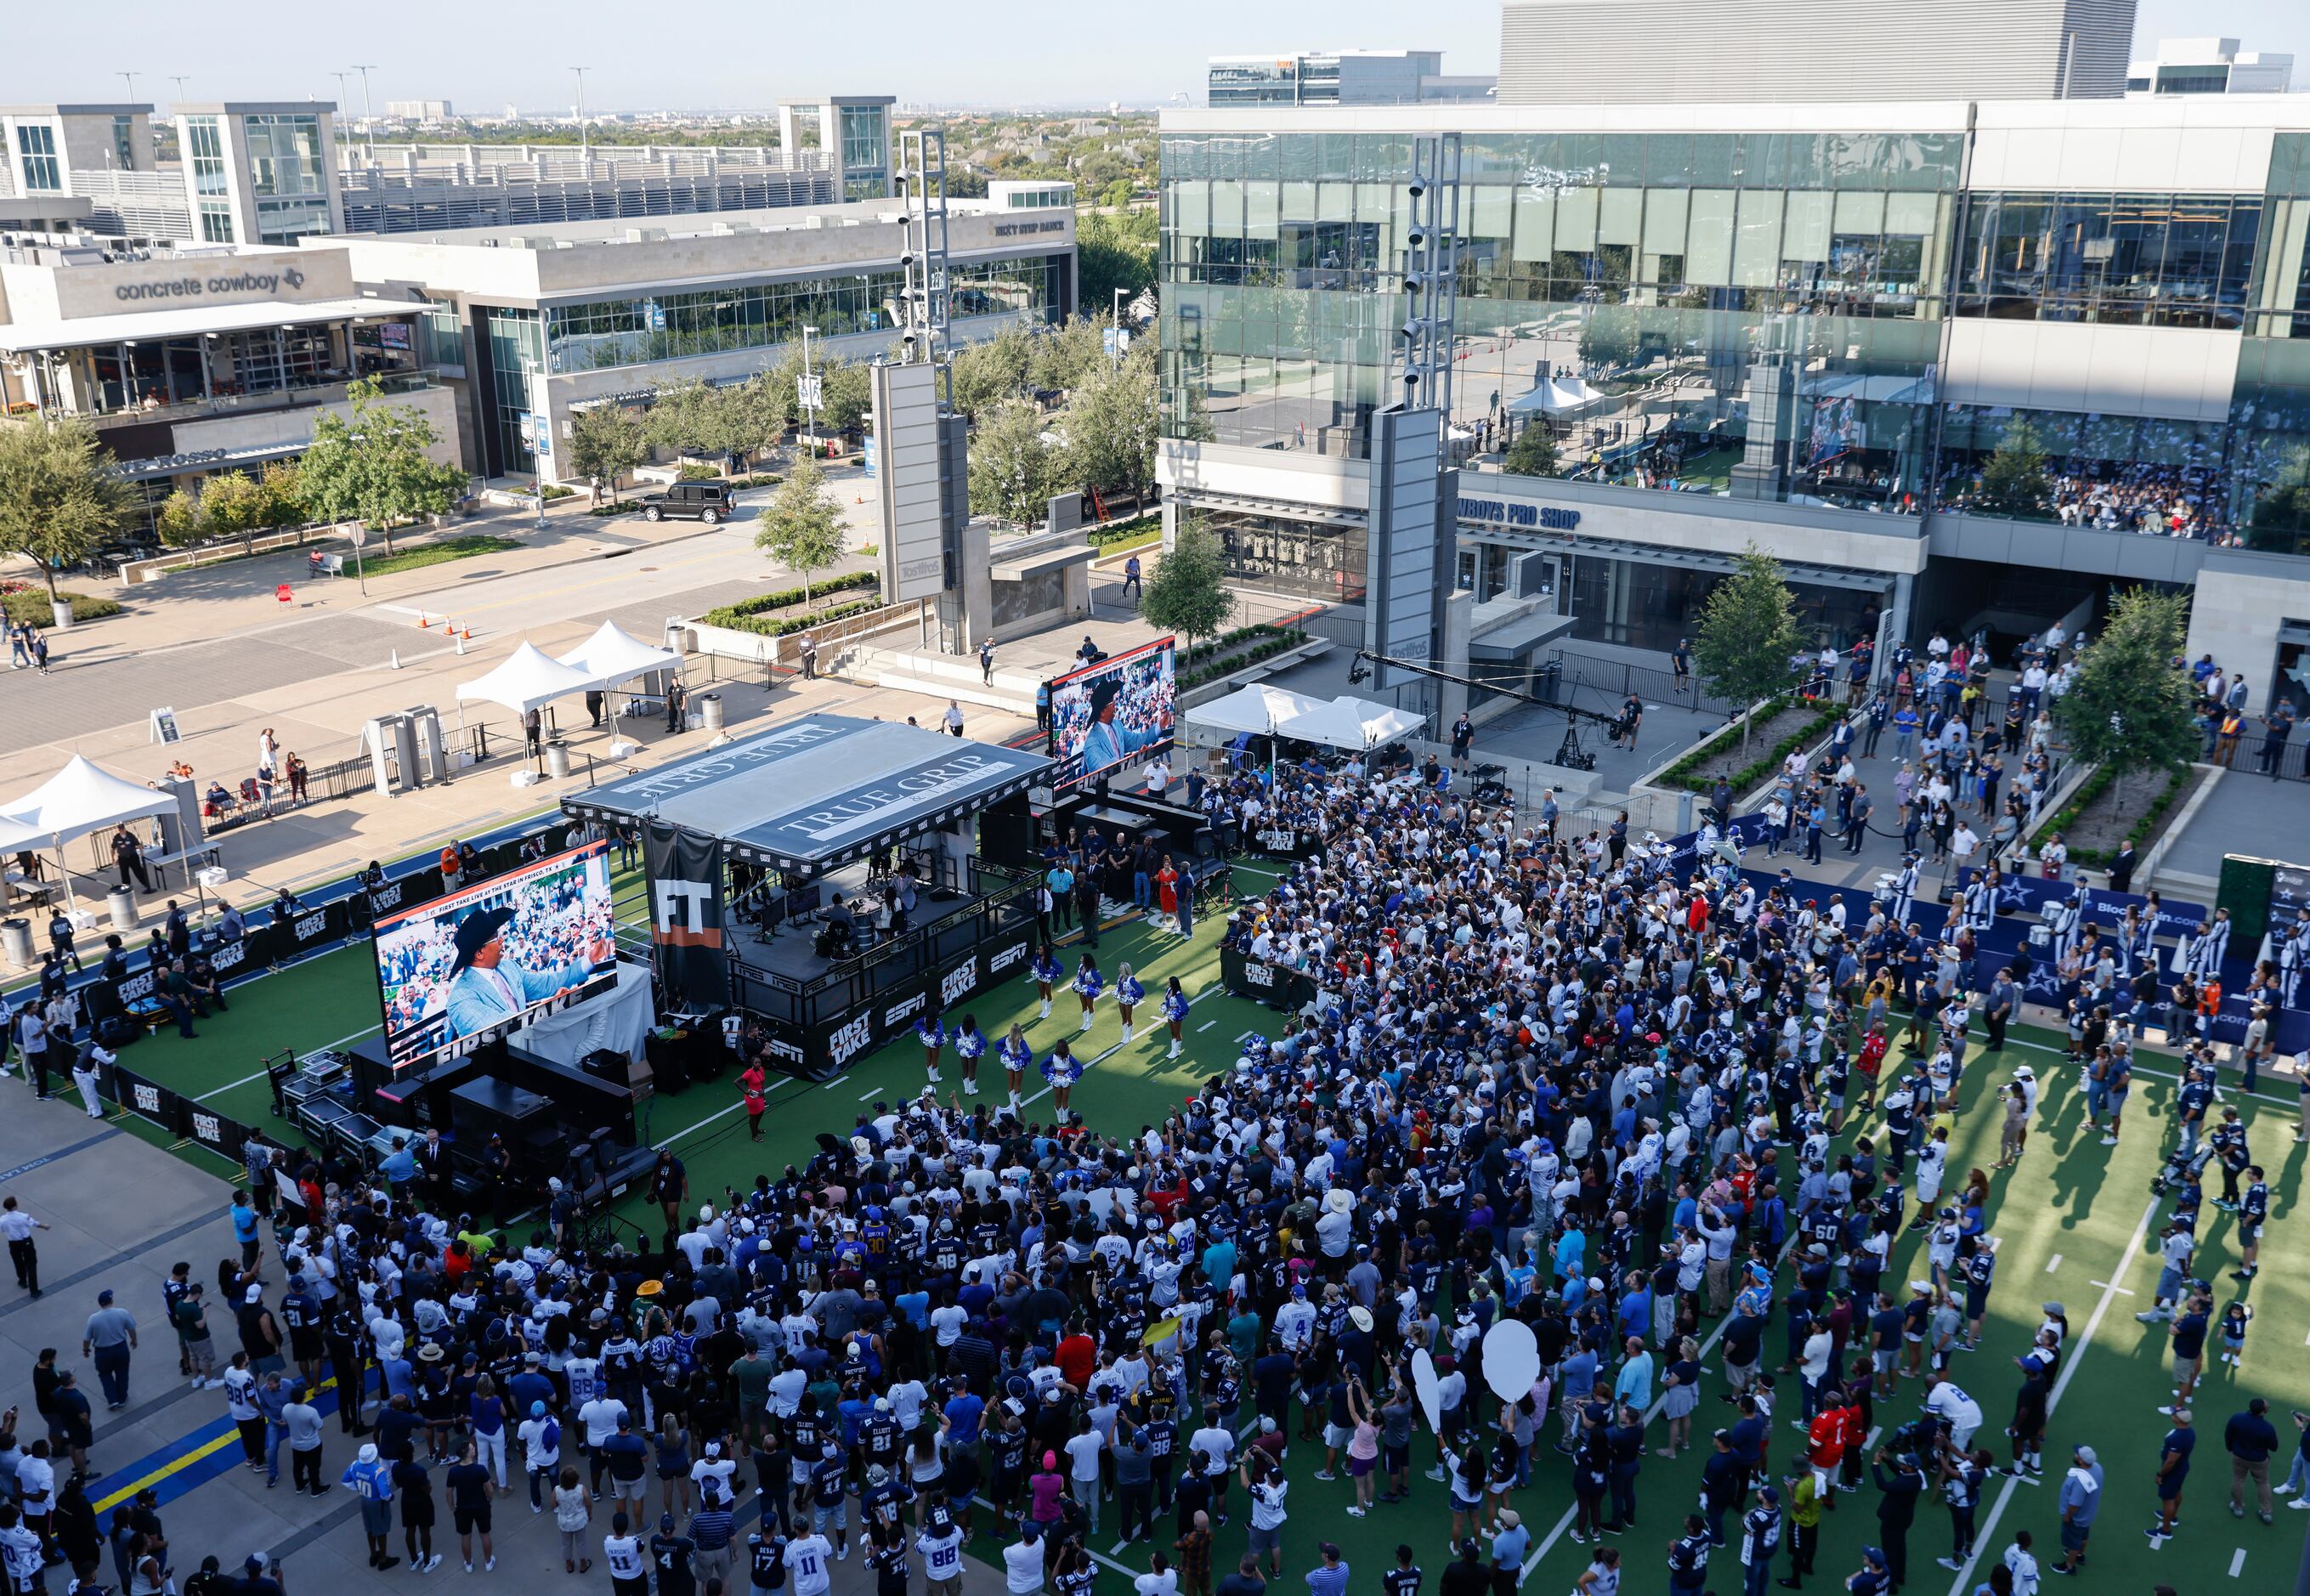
(1657, 269)
(2168, 260)
(284, 155)
(36, 158)
(605, 332)
(515, 351)
(204, 143)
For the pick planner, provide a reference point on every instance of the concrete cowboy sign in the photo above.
(225, 285)
(1509, 512)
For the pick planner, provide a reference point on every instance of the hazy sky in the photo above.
(483, 57)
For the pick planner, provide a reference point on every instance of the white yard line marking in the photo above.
(2237, 1561)
(1651, 1413)
(2120, 1290)
(1244, 1036)
(1987, 1535)
(2053, 1263)
(1205, 1026)
(872, 1094)
(324, 1047)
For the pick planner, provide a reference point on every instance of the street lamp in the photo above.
(131, 78)
(585, 149)
(1118, 319)
(368, 111)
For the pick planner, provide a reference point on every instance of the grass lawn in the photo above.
(2070, 1220)
(464, 546)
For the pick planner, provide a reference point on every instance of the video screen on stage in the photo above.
(466, 967)
(1114, 713)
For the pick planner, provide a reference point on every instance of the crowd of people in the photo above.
(1622, 1095)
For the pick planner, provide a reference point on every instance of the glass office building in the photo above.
(1639, 293)
(1815, 327)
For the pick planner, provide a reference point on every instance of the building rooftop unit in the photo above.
(2209, 66)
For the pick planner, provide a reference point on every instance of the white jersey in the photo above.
(807, 1561)
(623, 1553)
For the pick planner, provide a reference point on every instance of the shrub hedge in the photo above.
(1683, 775)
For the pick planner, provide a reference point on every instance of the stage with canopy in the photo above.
(749, 848)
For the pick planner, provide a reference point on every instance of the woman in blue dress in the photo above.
(931, 1035)
(1045, 969)
(1016, 1055)
(1175, 1012)
(1063, 1069)
(1128, 995)
(969, 1042)
(1088, 985)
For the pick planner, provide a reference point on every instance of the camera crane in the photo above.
(1568, 753)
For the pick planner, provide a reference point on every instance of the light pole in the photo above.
(585, 148)
(341, 77)
(131, 78)
(368, 111)
(179, 79)
(1118, 319)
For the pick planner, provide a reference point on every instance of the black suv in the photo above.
(704, 502)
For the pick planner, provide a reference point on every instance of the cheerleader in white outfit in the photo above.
(1045, 968)
(969, 1042)
(1088, 985)
(1016, 1056)
(1128, 995)
(1175, 1012)
(1063, 1069)
(931, 1035)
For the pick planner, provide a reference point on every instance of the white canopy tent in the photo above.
(612, 656)
(1258, 707)
(530, 680)
(1558, 395)
(1353, 723)
(82, 798)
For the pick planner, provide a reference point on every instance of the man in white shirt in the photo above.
(805, 1559)
(1022, 1562)
(1945, 1401)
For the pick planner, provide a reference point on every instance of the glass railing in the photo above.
(322, 388)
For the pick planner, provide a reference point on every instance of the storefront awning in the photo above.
(192, 321)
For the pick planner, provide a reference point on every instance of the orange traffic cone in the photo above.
(467, 634)
(422, 624)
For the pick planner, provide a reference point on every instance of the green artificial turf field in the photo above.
(2071, 1219)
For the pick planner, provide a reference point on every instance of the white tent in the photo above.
(80, 798)
(611, 655)
(1556, 396)
(529, 680)
(1255, 709)
(1353, 723)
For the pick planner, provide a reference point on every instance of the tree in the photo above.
(372, 465)
(1533, 452)
(178, 520)
(1064, 356)
(59, 494)
(281, 494)
(1113, 250)
(682, 417)
(606, 442)
(1613, 337)
(2281, 510)
(1748, 633)
(1187, 591)
(2132, 705)
(803, 525)
(1117, 194)
(1012, 474)
(846, 394)
(233, 505)
(1110, 426)
(993, 369)
(2013, 481)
